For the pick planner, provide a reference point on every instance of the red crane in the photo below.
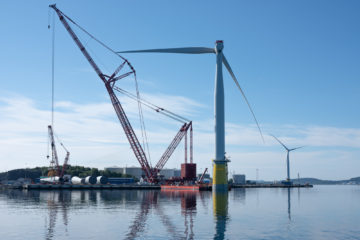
(201, 179)
(54, 163)
(175, 142)
(187, 125)
(65, 161)
(109, 81)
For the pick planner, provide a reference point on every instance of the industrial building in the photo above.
(138, 172)
(239, 178)
(115, 169)
(169, 173)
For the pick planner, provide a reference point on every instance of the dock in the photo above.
(272, 185)
(89, 187)
(135, 186)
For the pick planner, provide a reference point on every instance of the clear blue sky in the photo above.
(298, 62)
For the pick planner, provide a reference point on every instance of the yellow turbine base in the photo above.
(220, 175)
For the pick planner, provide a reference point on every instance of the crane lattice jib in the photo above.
(53, 150)
(130, 134)
(109, 83)
(175, 142)
(202, 176)
(65, 164)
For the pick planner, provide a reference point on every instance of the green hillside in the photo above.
(36, 172)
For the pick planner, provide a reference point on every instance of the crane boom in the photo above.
(54, 159)
(65, 164)
(201, 179)
(109, 83)
(175, 142)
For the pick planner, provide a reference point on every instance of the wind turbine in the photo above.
(287, 157)
(220, 161)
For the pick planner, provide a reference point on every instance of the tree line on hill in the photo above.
(37, 172)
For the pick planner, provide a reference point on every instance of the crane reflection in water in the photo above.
(151, 206)
(57, 201)
(150, 201)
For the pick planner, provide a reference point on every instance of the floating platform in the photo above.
(271, 186)
(186, 187)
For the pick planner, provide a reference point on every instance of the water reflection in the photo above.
(56, 201)
(188, 208)
(58, 205)
(133, 214)
(150, 201)
(138, 226)
(289, 204)
(239, 194)
(220, 208)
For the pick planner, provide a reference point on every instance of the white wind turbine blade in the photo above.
(186, 50)
(242, 93)
(280, 143)
(296, 148)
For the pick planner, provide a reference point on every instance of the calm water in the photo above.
(324, 212)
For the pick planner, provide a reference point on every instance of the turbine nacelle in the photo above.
(219, 46)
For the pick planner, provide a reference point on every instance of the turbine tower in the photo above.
(220, 161)
(287, 157)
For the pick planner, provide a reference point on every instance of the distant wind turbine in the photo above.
(287, 157)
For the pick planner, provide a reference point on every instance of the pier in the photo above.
(135, 186)
(88, 187)
(272, 185)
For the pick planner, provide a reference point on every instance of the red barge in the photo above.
(194, 187)
(187, 182)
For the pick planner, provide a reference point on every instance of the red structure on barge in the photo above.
(188, 181)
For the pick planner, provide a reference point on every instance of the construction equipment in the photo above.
(175, 142)
(109, 81)
(201, 179)
(65, 161)
(55, 170)
(54, 163)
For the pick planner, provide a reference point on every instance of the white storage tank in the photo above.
(90, 180)
(52, 180)
(77, 180)
(101, 180)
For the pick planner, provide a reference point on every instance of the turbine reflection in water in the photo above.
(289, 204)
(220, 210)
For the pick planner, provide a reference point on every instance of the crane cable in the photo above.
(53, 72)
(57, 137)
(154, 107)
(53, 81)
(52, 77)
(141, 119)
